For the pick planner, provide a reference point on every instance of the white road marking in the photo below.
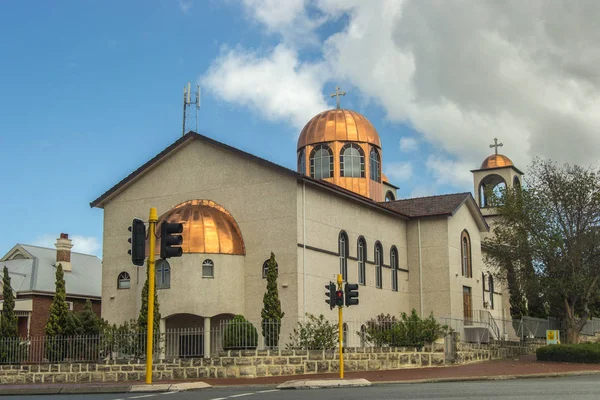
(219, 398)
(142, 396)
(241, 394)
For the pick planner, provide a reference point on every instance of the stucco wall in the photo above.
(326, 216)
(261, 200)
(434, 265)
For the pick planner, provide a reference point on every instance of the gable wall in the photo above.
(262, 202)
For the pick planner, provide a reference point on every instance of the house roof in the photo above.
(190, 136)
(445, 205)
(37, 272)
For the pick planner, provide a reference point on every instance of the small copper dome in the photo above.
(207, 228)
(338, 125)
(496, 161)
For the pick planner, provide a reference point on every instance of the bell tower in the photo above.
(496, 172)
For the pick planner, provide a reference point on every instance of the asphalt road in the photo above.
(582, 387)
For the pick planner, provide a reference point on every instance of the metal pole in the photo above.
(151, 229)
(341, 329)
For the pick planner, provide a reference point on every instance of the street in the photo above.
(582, 387)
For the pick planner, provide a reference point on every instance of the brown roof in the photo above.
(99, 202)
(442, 205)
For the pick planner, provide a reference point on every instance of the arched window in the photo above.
(375, 165)
(363, 336)
(265, 269)
(394, 266)
(343, 253)
(516, 182)
(321, 162)
(345, 334)
(208, 269)
(362, 259)
(389, 196)
(378, 265)
(302, 162)
(123, 281)
(352, 161)
(483, 287)
(491, 285)
(163, 274)
(465, 254)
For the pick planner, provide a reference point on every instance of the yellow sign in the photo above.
(552, 337)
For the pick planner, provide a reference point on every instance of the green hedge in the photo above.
(574, 353)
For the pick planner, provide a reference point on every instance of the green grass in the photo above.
(588, 353)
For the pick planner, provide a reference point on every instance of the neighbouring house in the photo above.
(32, 270)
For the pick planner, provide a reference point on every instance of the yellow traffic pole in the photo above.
(151, 230)
(340, 281)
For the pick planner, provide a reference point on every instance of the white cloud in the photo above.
(277, 86)
(81, 244)
(401, 171)
(185, 6)
(459, 72)
(448, 172)
(408, 144)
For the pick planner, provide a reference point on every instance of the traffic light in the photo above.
(351, 290)
(339, 298)
(169, 239)
(331, 295)
(138, 242)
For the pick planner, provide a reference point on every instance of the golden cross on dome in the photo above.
(496, 145)
(338, 94)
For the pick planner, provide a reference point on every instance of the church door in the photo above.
(467, 305)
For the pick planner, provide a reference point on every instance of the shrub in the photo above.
(315, 333)
(239, 333)
(574, 353)
(410, 330)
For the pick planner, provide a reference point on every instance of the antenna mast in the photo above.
(190, 109)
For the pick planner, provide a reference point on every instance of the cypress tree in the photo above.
(271, 313)
(143, 316)
(8, 319)
(59, 319)
(91, 324)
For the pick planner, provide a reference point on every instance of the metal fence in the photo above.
(308, 333)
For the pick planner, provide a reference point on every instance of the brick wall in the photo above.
(41, 311)
(254, 363)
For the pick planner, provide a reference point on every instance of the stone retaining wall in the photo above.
(255, 363)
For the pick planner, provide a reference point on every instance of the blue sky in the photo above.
(92, 90)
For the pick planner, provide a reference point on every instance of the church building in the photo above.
(336, 213)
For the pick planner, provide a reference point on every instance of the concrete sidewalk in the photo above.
(518, 368)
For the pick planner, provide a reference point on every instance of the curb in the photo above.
(490, 378)
(324, 384)
(104, 389)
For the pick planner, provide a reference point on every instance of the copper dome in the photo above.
(207, 228)
(338, 125)
(496, 161)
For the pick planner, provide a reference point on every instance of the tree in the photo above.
(142, 322)
(271, 313)
(8, 319)
(547, 241)
(315, 333)
(90, 323)
(61, 321)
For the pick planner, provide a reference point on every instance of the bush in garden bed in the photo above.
(574, 353)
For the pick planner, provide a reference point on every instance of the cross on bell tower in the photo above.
(337, 94)
(496, 145)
